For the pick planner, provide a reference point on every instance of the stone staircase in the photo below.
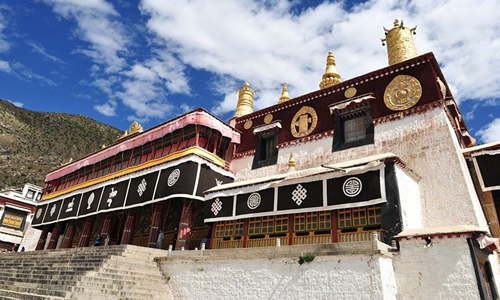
(112, 272)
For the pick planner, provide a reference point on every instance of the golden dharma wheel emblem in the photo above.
(402, 92)
(268, 118)
(304, 122)
(248, 124)
(350, 92)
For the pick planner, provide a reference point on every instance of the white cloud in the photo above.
(491, 132)
(5, 66)
(271, 43)
(18, 104)
(43, 52)
(107, 109)
(97, 25)
(4, 44)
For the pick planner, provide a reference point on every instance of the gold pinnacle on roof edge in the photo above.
(245, 101)
(284, 94)
(331, 76)
(291, 163)
(400, 45)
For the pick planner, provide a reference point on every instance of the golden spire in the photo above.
(245, 101)
(331, 76)
(400, 46)
(291, 163)
(284, 94)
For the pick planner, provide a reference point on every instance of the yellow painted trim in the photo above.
(191, 150)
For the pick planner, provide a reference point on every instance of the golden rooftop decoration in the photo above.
(248, 124)
(304, 122)
(331, 76)
(268, 118)
(135, 127)
(125, 133)
(68, 162)
(245, 101)
(284, 94)
(291, 161)
(350, 92)
(402, 92)
(399, 40)
(103, 146)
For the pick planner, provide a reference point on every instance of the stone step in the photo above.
(125, 280)
(130, 271)
(110, 293)
(36, 291)
(109, 273)
(149, 289)
(7, 295)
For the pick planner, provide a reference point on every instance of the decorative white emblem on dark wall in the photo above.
(173, 177)
(70, 205)
(253, 201)
(112, 194)
(90, 200)
(141, 188)
(216, 206)
(352, 187)
(218, 182)
(299, 194)
(52, 210)
(39, 213)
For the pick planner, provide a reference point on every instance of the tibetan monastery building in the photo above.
(147, 181)
(382, 157)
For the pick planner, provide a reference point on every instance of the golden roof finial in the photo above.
(103, 146)
(245, 101)
(400, 45)
(284, 94)
(68, 162)
(291, 163)
(135, 127)
(331, 76)
(125, 133)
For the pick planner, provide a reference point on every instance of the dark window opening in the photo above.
(266, 153)
(353, 128)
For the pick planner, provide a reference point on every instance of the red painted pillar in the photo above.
(290, 229)
(184, 234)
(128, 232)
(245, 233)
(43, 238)
(68, 236)
(106, 227)
(335, 233)
(155, 225)
(54, 237)
(87, 230)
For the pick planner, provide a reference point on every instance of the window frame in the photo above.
(264, 137)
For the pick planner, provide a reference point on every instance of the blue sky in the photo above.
(118, 61)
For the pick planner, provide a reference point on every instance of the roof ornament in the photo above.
(68, 162)
(245, 100)
(135, 127)
(284, 94)
(291, 163)
(400, 45)
(331, 76)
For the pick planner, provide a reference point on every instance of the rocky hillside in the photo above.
(34, 143)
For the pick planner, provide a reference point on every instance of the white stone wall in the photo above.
(409, 196)
(263, 273)
(441, 271)
(425, 142)
(30, 239)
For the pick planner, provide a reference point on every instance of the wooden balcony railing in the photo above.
(267, 241)
(358, 236)
(227, 244)
(312, 239)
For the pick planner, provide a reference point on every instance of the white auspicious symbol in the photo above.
(173, 177)
(253, 201)
(141, 188)
(70, 205)
(299, 194)
(90, 200)
(39, 213)
(112, 194)
(352, 187)
(52, 210)
(216, 206)
(218, 182)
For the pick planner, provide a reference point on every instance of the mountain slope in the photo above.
(34, 143)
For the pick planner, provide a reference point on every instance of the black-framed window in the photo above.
(266, 153)
(353, 127)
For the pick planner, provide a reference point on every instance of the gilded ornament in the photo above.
(248, 124)
(268, 118)
(442, 87)
(304, 122)
(135, 127)
(350, 92)
(402, 92)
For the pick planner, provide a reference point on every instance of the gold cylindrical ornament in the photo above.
(400, 45)
(245, 101)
